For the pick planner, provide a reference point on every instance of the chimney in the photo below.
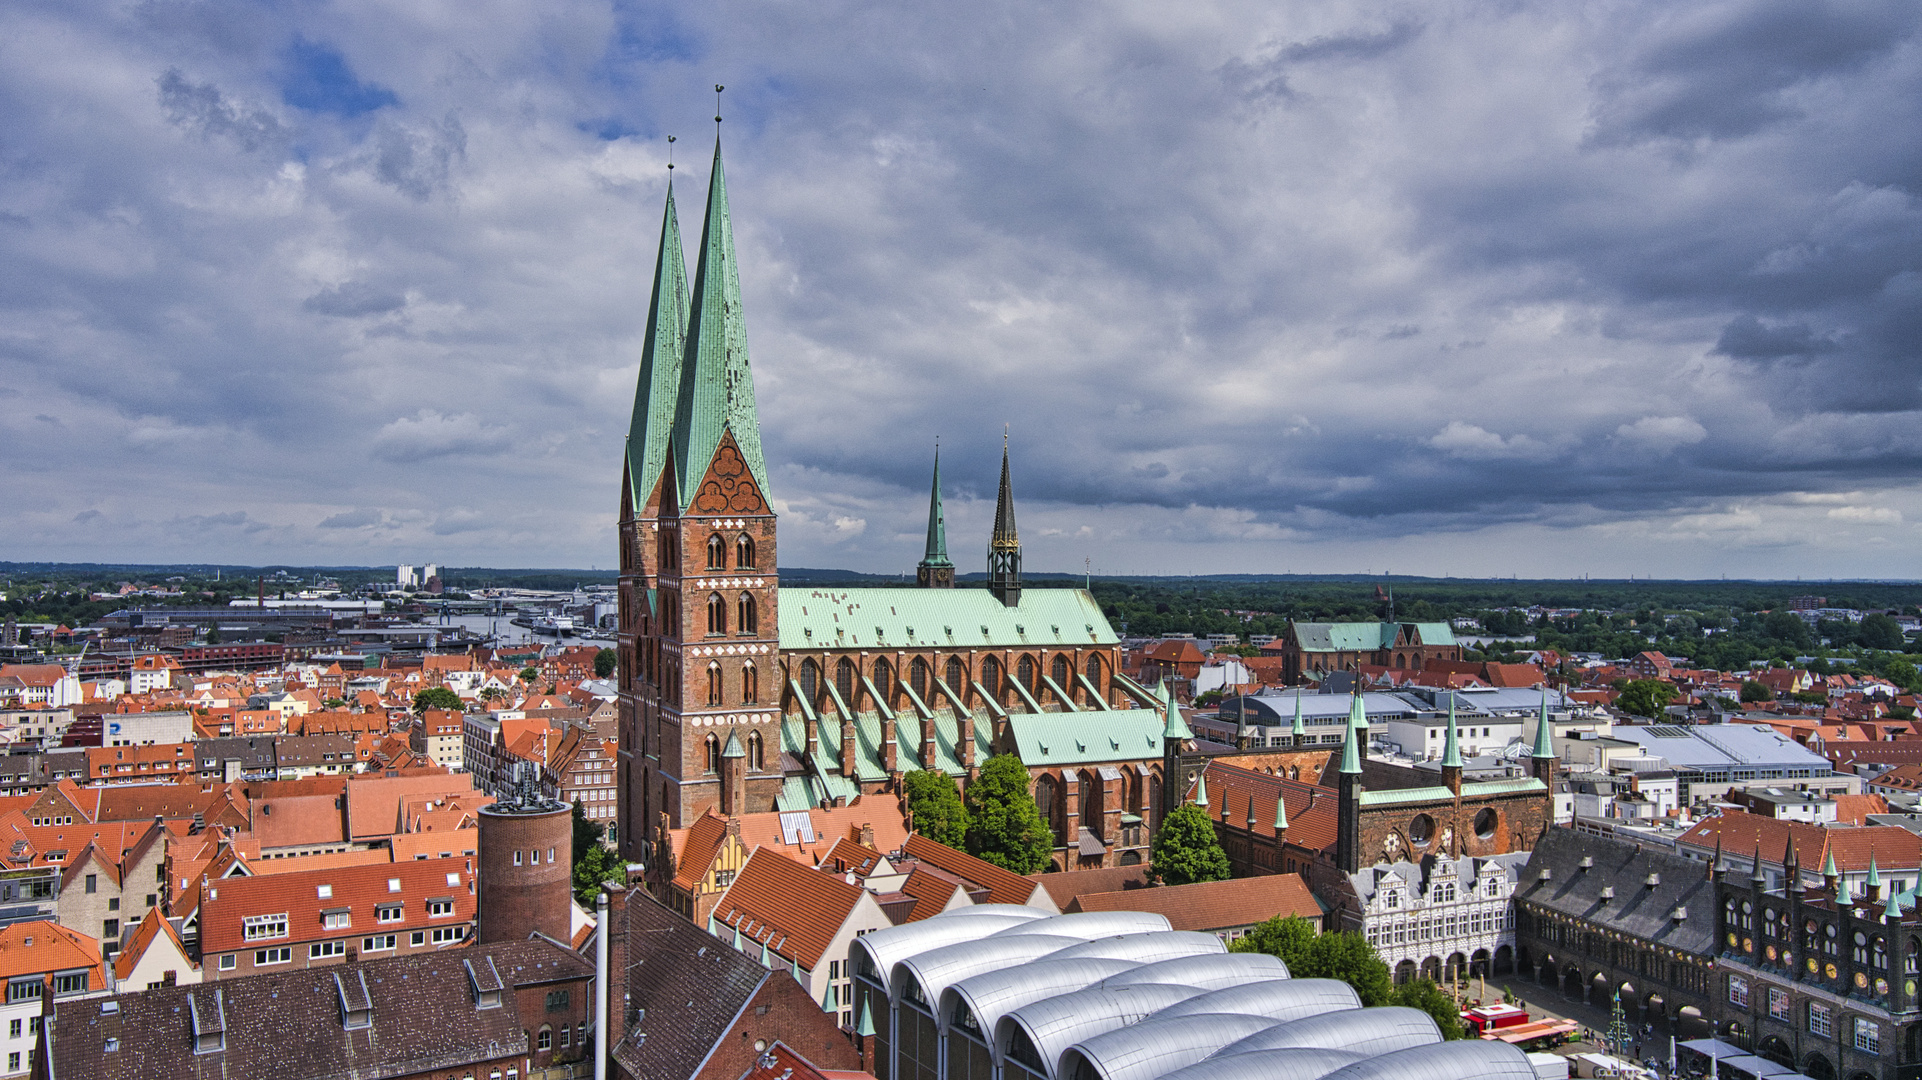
(867, 835)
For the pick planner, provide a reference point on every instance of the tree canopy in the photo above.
(1344, 956)
(1004, 827)
(1423, 994)
(1186, 849)
(936, 805)
(604, 663)
(1753, 691)
(1645, 697)
(436, 697)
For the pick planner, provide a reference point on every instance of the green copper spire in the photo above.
(764, 957)
(1357, 709)
(1281, 813)
(1298, 730)
(1351, 743)
(866, 1028)
(936, 569)
(1842, 897)
(1176, 728)
(662, 348)
(1828, 867)
(1875, 876)
(1451, 747)
(1544, 741)
(717, 387)
(1201, 790)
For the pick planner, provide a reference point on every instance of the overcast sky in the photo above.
(1442, 287)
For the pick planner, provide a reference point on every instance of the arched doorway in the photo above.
(1654, 1007)
(1431, 969)
(1598, 990)
(1405, 972)
(1861, 1076)
(1478, 964)
(1818, 1067)
(1631, 1005)
(1505, 961)
(1456, 968)
(1572, 981)
(1690, 1024)
(1776, 1049)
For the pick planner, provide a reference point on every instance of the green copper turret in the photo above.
(936, 570)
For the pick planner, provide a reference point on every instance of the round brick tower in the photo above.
(526, 867)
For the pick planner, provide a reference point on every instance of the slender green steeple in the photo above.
(1176, 728)
(1544, 740)
(936, 570)
(662, 350)
(1451, 745)
(1201, 791)
(1351, 744)
(1875, 875)
(1828, 868)
(717, 388)
(1299, 730)
(1281, 814)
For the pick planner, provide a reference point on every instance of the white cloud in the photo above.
(1867, 515)
(1662, 433)
(1478, 444)
(429, 434)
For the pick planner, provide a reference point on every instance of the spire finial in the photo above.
(670, 153)
(717, 109)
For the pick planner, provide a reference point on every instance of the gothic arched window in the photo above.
(744, 553)
(716, 614)
(713, 753)
(918, 678)
(810, 681)
(957, 676)
(844, 681)
(754, 751)
(716, 553)
(991, 677)
(883, 682)
(713, 683)
(1025, 666)
(750, 684)
(746, 620)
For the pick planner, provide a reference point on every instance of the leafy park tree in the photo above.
(1645, 697)
(1004, 827)
(1186, 849)
(1880, 631)
(529, 674)
(436, 697)
(1423, 994)
(1900, 672)
(1753, 691)
(1788, 628)
(936, 805)
(605, 662)
(594, 862)
(1344, 956)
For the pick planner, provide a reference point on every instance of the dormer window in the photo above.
(439, 907)
(389, 913)
(485, 982)
(356, 1004)
(264, 927)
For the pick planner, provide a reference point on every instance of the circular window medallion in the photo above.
(1811, 963)
(1882, 988)
(1909, 988)
(1771, 954)
(1731, 941)
(1831, 971)
(1748, 944)
(1861, 981)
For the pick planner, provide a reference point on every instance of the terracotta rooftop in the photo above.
(360, 890)
(1213, 905)
(791, 909)
(1004, 886)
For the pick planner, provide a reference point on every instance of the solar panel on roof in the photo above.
(1666, 732)
(797, 827)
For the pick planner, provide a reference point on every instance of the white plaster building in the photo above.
(1444, 918)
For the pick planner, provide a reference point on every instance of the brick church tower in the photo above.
(699, 652)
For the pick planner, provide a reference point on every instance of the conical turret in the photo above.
(1451, 762)
(1543, 752)
(1298, 730)
(1281, 815)
(1201, 791)
(657, 394)
(935, 570)
(1004, 549)
(716, 400)
(1174, 728)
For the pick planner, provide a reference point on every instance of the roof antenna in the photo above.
(717, 109)
(670, 153)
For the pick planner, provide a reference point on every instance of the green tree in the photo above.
(529, 674)
(1186, 849)
(1753, 691)
(1004, 827)
(1899, 671)
(1344, 956)
(936, 805)
(605, 662)
(1645, 697)
(587, 834)
(1880, 631)
(1788, 628)
(436, 697)
(1423, 994)
(600, 865)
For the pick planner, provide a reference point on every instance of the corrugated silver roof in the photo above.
(937, 969)
(1277, 999)
(1295, 1063)
(993, 994)
(1149, 948)
(1207, 972)
(1483, 1059)
(1054, 1024)
(1367, 1031)
(1087, 925)
(890, 945)
(1157, 1045)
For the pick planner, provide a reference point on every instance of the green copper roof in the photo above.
(1544, 741)
(937, 550)
(944, 618)
(1201, 790)
(1875, 875)
(1357, 711)
(1452, 747)
(866, 1028)
(1066, 738)
(1828, 868)
(1351, 743)
(733, 748)
(1842, 898)
(662, 349)
(1176, 728)
(1366, 636)
(717, 388)
(1298, 730)
(1281, 813)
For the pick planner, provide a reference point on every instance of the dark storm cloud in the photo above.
(1238, 276)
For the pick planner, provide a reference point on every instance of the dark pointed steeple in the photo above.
(936, 570)
(658, 392)
(1004, 550)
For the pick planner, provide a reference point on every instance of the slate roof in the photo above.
(685, 987)
(1636, 909)
(288, 1025)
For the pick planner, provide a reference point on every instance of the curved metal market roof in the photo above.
(888, 946)
(1483, 1059)
(1157, 1045)
(1087, 925)
(1209, 972)
(935, 970)
(1381, 1030)
(1149, 948)
(1280, 1000)
(1051, 1025)
(1294, 1063)
(991, 995)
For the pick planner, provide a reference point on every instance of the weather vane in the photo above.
(670, 153)
(717, 107)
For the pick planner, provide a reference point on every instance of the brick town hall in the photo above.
(740, 696)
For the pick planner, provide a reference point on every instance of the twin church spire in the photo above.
(936, 570)
(696, 391)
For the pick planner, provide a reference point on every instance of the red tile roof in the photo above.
(1311, 808)
(1213, 905)
(359, 889)
(1004, 886)
(791, 909)
(1893, 848)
